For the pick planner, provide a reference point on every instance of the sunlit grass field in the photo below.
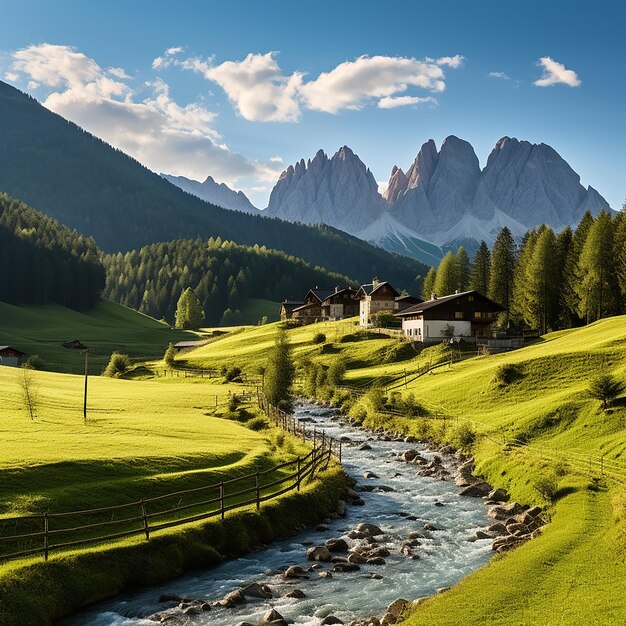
(575, 572)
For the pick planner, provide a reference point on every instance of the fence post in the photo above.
(299, 473)
(340, 451)
(314, 438)
(145, 519)
(258, 493)
(222, 499)
(45, 536)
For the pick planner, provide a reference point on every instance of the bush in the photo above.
(233, 403)
(170, 354)
(35, 362)
(118, 365)
(463, 435)
(257, 423)
(411, 407)
(335, 373)
(547, 485)
(319, 338)
(605, 388)
(233, 375)
(506, 374)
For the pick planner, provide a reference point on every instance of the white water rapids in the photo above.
(446, 555)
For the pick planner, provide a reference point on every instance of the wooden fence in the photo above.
(44, 533)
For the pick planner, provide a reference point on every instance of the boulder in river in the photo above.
(337, 545)
(295, 571)
(498, 495)
(369, 530)
(330, 619)
(296, 593)
(256, 590)
(319, 553)
(346, 567)
(476, 490)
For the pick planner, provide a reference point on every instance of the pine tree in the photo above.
(520, 310)
(542, 282)
(429, 284)
(480, 269)
(448, 275)
(620, 254)
(571, 273)
(597, 287)
(463, 268)
(501, 274)
(189, 313)
(280, 372)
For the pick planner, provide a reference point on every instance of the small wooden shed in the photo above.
(11, 357)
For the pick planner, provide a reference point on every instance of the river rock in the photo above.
(356, 557)
(296, 593)
(481, 534)
(397, 607)
(325, 574)
(376, 560)
(295, 571)
(369, 530)
(255, 590)
(476, 490)
(498, 495)
(319, 553)
(274, 617)
(336, 545)
(410, 455)
(499, 528)
(430, 527)
(534, 511)
(346, 567)
(365, 446)
(330, 619)
(341, 508)
(232, 599)
(505, 511)
(370, 475)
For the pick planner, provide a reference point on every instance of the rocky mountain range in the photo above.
(214, 193)
(443, 200)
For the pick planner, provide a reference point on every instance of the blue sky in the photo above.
(249, 87)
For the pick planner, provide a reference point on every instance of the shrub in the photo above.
(257, 423)
(411, 407)
(335, 373)
(506, 374)
(233, 374)
(170, 354)
(605, 388)
(376, 398)
(319, 338)
(35, 362)
(547, 485)
(233, 403)
(118, 365)
(463, 435)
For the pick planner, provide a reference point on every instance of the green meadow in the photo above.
(575, 571)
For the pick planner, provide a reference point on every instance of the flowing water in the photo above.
(446, 555)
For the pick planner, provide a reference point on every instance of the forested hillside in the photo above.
(42, 262)
(552, 280)
(58, 168)
(224, 276)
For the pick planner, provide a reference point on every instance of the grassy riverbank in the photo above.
(575, 571)
(143, 438)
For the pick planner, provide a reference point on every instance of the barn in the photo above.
(11, 357)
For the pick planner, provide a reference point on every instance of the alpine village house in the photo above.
(466, 314)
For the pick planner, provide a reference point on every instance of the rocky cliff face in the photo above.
(339, 191)
(213, 192)
(443, 199)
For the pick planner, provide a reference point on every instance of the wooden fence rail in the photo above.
(40, 534)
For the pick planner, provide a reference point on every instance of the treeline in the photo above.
(58, 168)
(42, 262)
(551, 280)
(223, 275)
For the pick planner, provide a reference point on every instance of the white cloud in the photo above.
(11, 76)
(173, 51)
(554, 73)
(501, 75)
(391, 102)
(353, 84)
(256, 86)
(260, 91)
(153, 128)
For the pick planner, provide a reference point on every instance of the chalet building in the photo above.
(404, 302)
(376, 297)
(11, 357)
(340, 304)
(470, 314)
(287, 307)
(311, 310)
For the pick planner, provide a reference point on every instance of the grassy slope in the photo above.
(130, 447)
(109, 327)
(574, 572)
(255, 309)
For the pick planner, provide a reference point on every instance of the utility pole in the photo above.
(86, 353)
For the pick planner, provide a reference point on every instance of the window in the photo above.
(471, 298)
(458, 315)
